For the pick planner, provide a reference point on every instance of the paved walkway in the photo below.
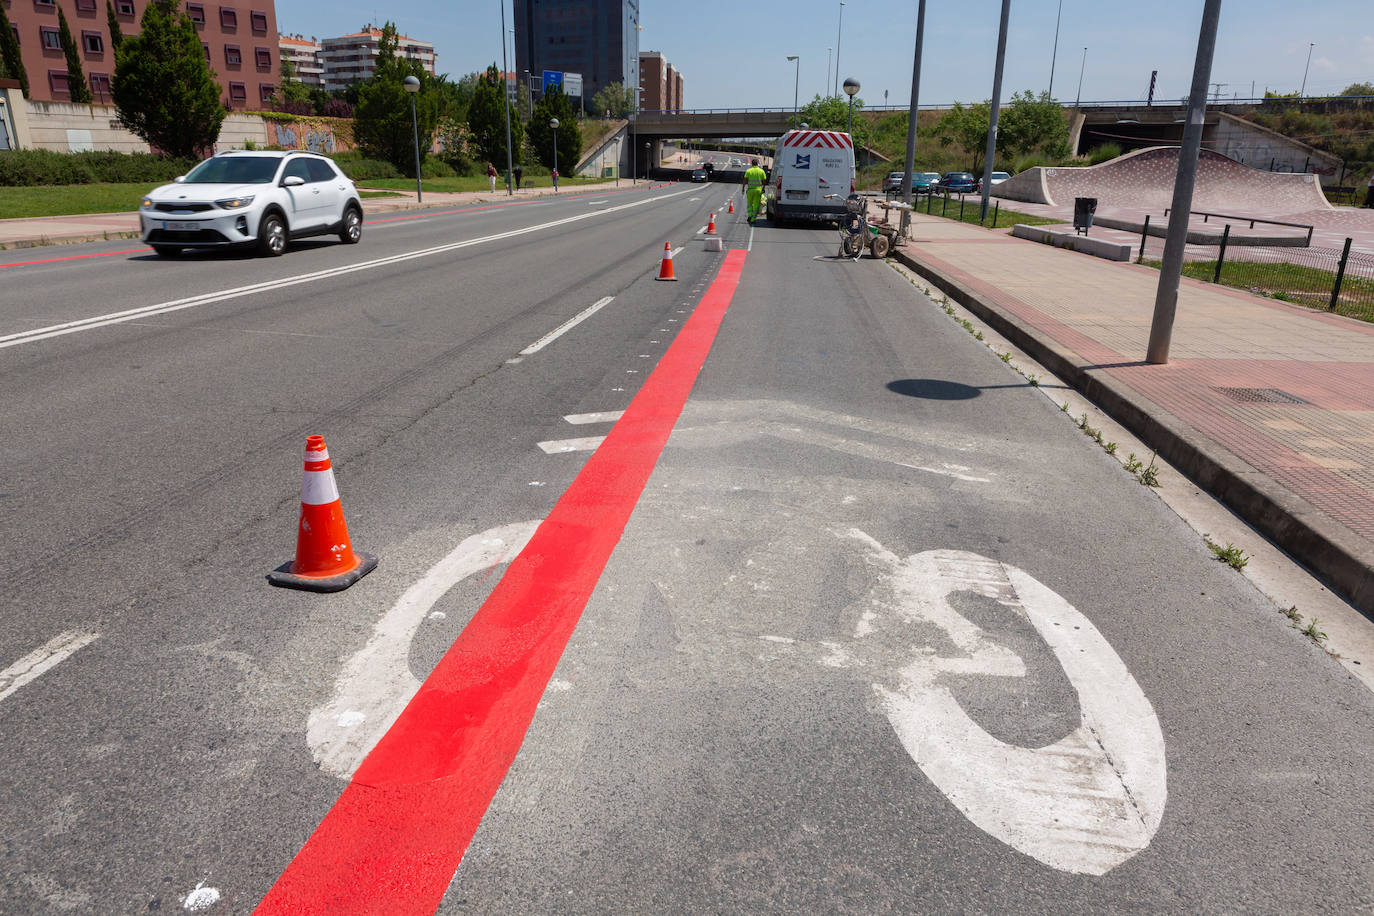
(1268, 405)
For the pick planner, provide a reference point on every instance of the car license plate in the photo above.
(798, 195)
(180, 227)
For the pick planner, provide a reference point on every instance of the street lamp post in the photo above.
(1302, 93)
(796, 80)
(553, 122)
(1081, 68)
(851, 88)
(1054, 53)
(838, 32)
(826, 88)
(510, 163)
(413, 86)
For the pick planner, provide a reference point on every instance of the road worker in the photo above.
(754, 180)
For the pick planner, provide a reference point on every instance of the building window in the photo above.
(197, 13)
(228, 19)
(125, 7)
(44, 3)
(232, 57)
(15, 29)
(266, 91)
(264, 58)
(86, 5)
(238, 91)
(259, 20)
(100, 85)
(57, 80)
(93, 42)
(52, 39)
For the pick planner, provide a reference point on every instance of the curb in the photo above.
(45, 240)
(1343, 560)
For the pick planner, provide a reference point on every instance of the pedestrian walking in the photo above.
(554, 173)
(519, 175)
(1369, 192)
(491, 176)
(754, 180)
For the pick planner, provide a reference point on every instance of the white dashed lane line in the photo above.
(45, 657)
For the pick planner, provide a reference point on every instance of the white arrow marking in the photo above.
(1084, 804)
(374, 686)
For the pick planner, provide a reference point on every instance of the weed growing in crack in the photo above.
(1133, 464)
(1034, 380)
(1231, 555)
(1110, 447)
(1149, 476)
(1291, 612)
(978, 335)
(1312, 633)
(1064, 408)
(1005, 357)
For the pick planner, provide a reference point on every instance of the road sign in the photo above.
(572, 84)
(552, 78)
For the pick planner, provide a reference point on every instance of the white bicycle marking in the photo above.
(1084, 804)
(374, 686)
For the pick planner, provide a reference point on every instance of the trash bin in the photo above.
(1083, 210)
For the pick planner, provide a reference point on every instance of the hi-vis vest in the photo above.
(755, 178)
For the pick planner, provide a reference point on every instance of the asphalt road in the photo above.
(884, 633)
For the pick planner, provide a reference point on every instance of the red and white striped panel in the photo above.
(830, 139)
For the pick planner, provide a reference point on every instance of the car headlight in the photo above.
(146, 204)
(234, 203)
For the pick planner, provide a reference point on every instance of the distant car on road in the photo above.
(959, 182)
(924, 182)
(252, 198)
(999, 177)
(893, 183)
(700, 175)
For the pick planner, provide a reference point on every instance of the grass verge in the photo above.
(70, 200)
(474, 183)
(937, 205)
(1296, 283)
(370, 194)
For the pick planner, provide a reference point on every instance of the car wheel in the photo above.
(272, 236)
(352, 229)
(166, 251)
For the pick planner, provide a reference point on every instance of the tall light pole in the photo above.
(915, 102)
(1081, 68)
(1302, 93)
(1055, 52)
(413, 86)
(851, 88)
(993, 109)
(796, 81)
(553, 122)
(510, 163)
(826, 89)
(838, 32)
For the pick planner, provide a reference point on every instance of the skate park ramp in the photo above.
(1144, 180)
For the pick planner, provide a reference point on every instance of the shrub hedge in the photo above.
(32, 167)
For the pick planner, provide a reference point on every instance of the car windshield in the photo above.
(932, 176)
(1000, 175)
(235, 170)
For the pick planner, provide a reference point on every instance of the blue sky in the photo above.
(734, 55)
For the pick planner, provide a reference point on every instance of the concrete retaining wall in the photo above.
(1070, 241)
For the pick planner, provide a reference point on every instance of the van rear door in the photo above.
(810, 165)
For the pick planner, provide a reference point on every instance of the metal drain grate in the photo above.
(1260, 396)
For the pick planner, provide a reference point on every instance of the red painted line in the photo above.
(393, 840)
(77, 257)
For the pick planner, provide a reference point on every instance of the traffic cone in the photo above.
(325, 560)
(732, 205)
(665, 269)
(711, 226)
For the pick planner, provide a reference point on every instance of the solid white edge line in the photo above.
(750, 246)
(566, 326)
(97, 321)
(50, 654)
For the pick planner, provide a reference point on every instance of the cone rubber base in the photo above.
(284, 578)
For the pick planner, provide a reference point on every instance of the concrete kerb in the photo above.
(1335, 554)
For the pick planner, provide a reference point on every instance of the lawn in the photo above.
(474, 183)
(1295, 283)
(998, 217)
(71, 199)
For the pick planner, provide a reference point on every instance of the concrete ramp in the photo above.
(1144, 179)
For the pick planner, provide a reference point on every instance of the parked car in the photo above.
(700, 175)
(959, 182)
(252, 198)
(893, 183)
(999, 177)
(924, 182)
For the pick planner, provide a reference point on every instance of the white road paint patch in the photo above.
(560, 446)
(566, 326)
(45, 657)
(558, 685)
(438, 615)
(98, 321)
(1086, 803)
(538, 483)
(202, 898)
(515, 359)
(376, 681)
(782, 639)
(604, 416)
(351, 718)
(674, 253)
(594, 202)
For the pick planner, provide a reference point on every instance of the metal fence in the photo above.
(1339, 280)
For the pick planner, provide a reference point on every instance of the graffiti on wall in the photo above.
(319, 135)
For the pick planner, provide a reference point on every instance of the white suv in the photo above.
(252, 197)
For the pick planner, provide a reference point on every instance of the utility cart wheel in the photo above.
(879, 246)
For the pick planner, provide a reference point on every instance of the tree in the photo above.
(556, 104)
(1365, 89)
(487, 120)
(381, 121)
(619, 100)
(11, 59)
(76, 77)
(832, 113)
(163, 88)
(966, 128)
(116, 33)
(291, 89)
(1032, 122)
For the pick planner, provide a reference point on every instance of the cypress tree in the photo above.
(116, 33)
(11, 60)
(76, 77)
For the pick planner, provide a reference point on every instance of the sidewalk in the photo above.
(1268, 406)
(93, 227)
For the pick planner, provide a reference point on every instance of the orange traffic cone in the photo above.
(732, 205)
(711, 226)
(325, 560)
(665, 269)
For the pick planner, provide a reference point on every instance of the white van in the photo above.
(809, 165)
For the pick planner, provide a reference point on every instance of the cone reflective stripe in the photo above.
(665, 267)
(711, 226)
(325, 559)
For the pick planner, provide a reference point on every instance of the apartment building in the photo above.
(660, 83)
(303, 54)
(352, 58)
(238, 37)
(598, 39)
